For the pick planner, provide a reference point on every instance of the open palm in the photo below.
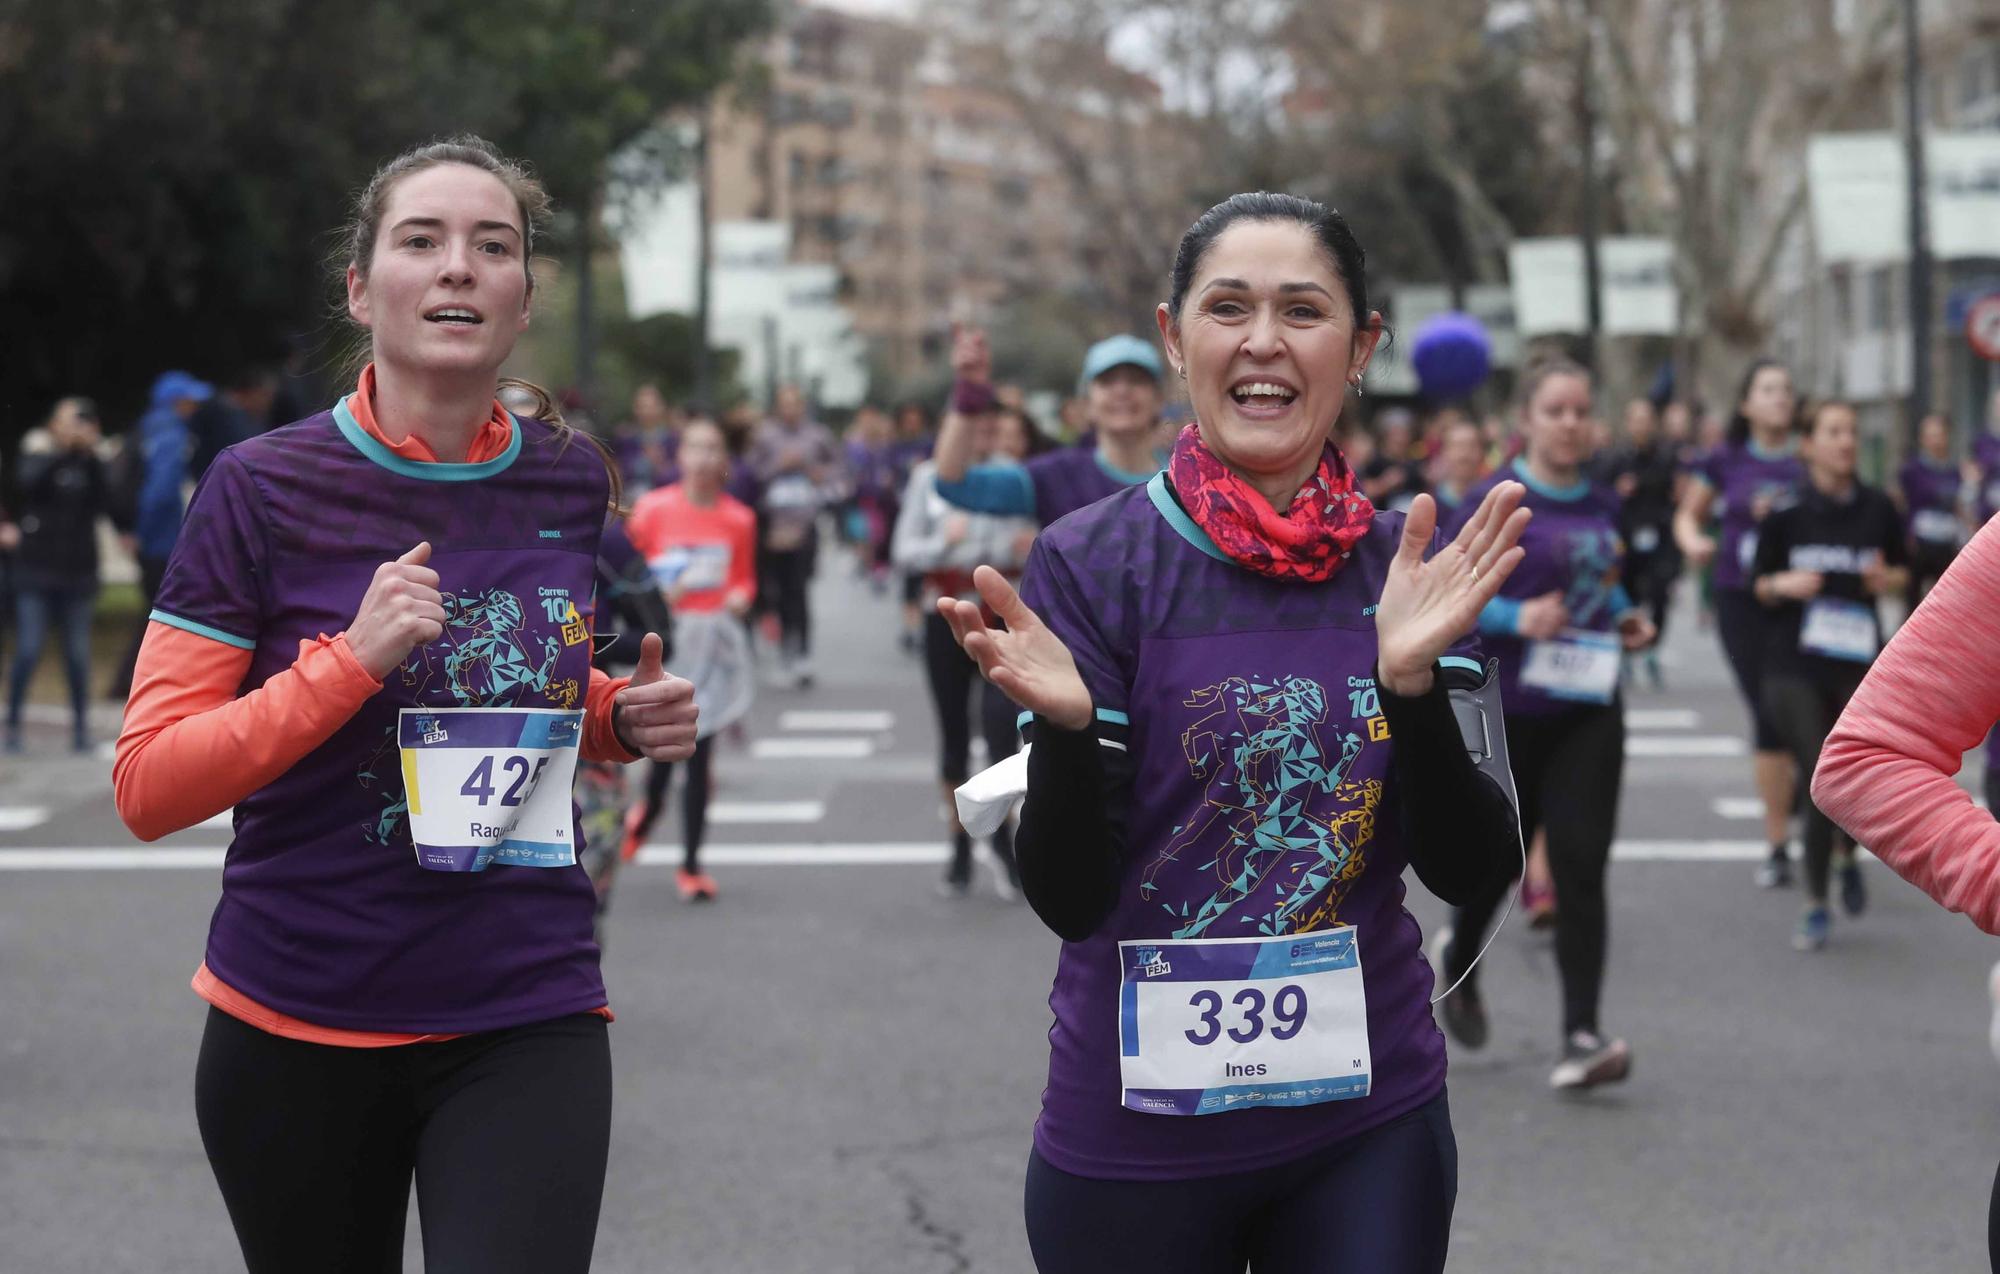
(1025, 660)
(1428, 605)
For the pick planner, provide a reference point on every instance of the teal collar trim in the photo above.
(1120, 476)
(370, 446)
(1759, 450)
(1574, 491)
(1177, 518)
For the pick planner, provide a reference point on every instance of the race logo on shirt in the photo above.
(1281, 829)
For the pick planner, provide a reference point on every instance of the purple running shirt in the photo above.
(1742, 475)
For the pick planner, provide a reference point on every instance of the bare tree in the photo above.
(1710, 105)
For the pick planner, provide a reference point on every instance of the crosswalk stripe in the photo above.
(806, 720)
(19, 818)
(1661, 718)
(1738, 807)
(767, 811)
(1684, 745)
(823, 749)
(797, 854)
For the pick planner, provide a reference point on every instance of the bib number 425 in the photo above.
(1288, 1007)
(479, 785)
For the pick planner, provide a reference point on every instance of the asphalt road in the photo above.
(833, 1068)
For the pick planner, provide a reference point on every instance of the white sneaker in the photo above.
(1589, 1060)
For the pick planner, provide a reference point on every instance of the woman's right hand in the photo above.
(401, 610)
(1026, 661)
(1699, 550)
(1543, 617)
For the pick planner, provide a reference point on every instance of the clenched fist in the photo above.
(655, 715)
(401, 610)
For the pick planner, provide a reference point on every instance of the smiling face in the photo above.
(703, 456)
(445, 289)
(1556, 421)
(1124, 402)
(1269, 342)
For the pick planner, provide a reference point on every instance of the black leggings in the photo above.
(1567, 768)
(953, 675)
(1740, 619)
(790, 585)
(1650, 579)
(1928, 562)
(694, 801)
(1377, 1203)
(314, 1146)
(1803, 711)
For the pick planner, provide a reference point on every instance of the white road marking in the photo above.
(1685, 745)
(822, 749)
(1739, 807)
(1661, 718)
(825, 720)
(19, 818)
(767, 811)
(795, 854)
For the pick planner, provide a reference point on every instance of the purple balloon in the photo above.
(1452, 355)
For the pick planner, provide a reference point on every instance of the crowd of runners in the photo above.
(1268, 644)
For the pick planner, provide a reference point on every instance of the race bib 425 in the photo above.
(490, 785)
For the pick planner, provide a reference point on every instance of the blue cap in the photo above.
(174, 386)
(1122, 350)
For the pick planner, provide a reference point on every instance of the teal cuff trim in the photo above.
(1124, 477)
(1501, 617)
(1463, 664)
(203, 630)
(1574, 491)
(1103, 714)
(370, 446)
(1177, 518)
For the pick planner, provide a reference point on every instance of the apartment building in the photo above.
(923, 185)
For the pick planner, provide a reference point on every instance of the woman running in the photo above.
(1756, 471)
(1238, 673)
(1821, 564)
(1121, 384)
(702, 547)
(401, 976)
(1559, 629)
(941, 544)
(1929, 488)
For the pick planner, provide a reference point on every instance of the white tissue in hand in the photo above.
(985, 799)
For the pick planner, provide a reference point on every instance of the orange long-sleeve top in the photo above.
(711, 548)
(1888, 771)
(184, 711)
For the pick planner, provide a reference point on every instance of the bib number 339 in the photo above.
(1217, 1024)
(490, 785)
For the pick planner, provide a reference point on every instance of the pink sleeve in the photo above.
(600, 741)
(184, 713)
(1887, 771)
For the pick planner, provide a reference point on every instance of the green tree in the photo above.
(173, 168)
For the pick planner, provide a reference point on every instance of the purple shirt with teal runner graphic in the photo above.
(325, 914)
(1262, 806)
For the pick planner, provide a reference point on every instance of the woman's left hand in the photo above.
(1428, 605)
